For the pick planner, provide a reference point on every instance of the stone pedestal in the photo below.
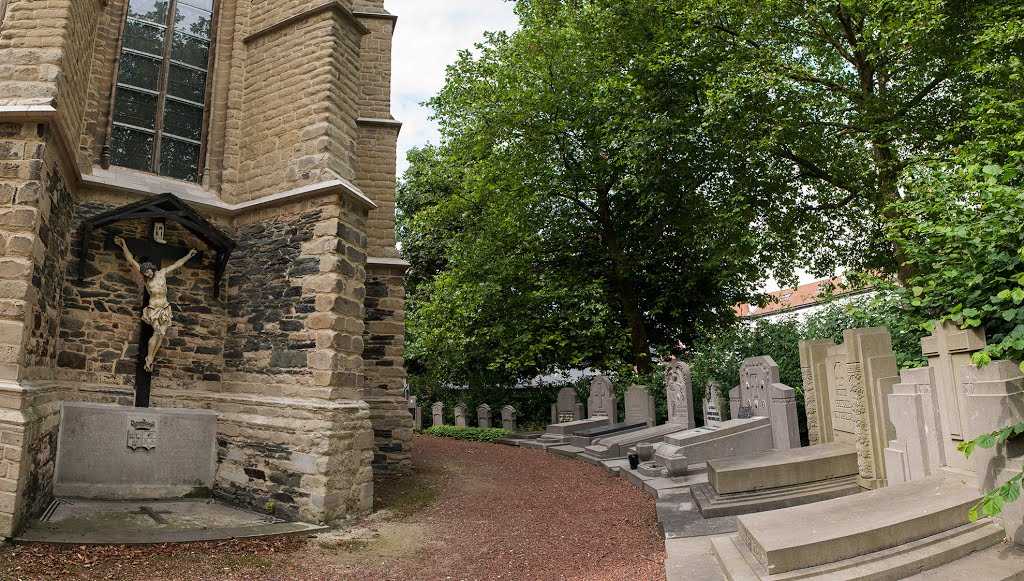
(124, 453)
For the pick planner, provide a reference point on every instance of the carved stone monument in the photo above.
(871, 375)
(483, 416)
(568, 407)
(679, 392)
(762, 395)
(640, 405)
(602, 402)
(508, 418)
(817, 401)
(460, 415)
(437, 414)
(712, 405)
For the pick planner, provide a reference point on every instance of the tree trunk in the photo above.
(625, 289)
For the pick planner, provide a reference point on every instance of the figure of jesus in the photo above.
(158, 312)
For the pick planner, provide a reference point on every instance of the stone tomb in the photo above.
(771, 425)
(857, 376)
(508, 418)
(483, 416)
(437, 414)
(919, 523)
(602, 402)
(639, 414)
(126, 453)
(568, 407)
(680, 417)
(460, 415)
(415, 412)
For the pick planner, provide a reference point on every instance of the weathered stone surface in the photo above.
(460, 415)
(817, 401)
(640, 405)
(712, 405)
(602, 402)
(918, 449)
(679, 391)
(508, 418)
(567, 408)
(483, 416)
(437, 414)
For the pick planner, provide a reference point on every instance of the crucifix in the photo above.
(156, 311)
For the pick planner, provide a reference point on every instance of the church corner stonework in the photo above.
(300, 352)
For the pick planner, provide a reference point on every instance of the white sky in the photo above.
(428, 36)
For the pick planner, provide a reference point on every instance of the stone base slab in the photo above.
(570, 428)
(175, 452)
(851, 526)
(712, 505)
(782, 468)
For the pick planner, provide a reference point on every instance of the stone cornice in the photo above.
(149, 185)
(385, 262)
(48, 114)
(378, 16)
(332, 6)
(377, 122)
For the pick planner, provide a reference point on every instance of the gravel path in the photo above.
(471, 511)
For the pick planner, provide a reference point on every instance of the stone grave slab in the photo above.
(437, 414)
(561, 434)
(640, 406)
(712, 405)
(416, 413)
(567, 408)
(483, 416)
(782, 468)
(117, 452)
(816, 395)
(602, 402)
(579, 440)
(699, 445)
(460, 415)
(855, 526)
(679, 393)
(508, 418)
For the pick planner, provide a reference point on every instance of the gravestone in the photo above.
(840, 400)
(416, 413)
(508, 418)
(460, 415)
(948, 349)
(640, 405)
(712, 405)
(918, 450)
(760, 394)
(602, 402)
(679, 393)
(871, 375)
(817, 403)
(437, 414)
(568, 407)
(483, 416)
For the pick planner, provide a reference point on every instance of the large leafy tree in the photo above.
(580, 214)
(832, 103)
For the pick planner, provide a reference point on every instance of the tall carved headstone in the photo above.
(712, 405)
(437, 414)
(840, 400)
(460, 415)
(760, 394)
(640, 405)
(679, 392)
(483, 416)
(871, 375)
(568, 407)
(948, 349)
(602, 402)
(918, 449)
(817, 402)
(508, 418)
(416, 412)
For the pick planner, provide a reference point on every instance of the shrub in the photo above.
(472, 434)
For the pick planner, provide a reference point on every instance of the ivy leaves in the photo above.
(992, 503)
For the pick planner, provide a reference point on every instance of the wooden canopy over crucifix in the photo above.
(163, 207)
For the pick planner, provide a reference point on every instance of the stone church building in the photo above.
(269, 122)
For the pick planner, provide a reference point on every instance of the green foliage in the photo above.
(992, 503)
(880, 308)
(472, 434)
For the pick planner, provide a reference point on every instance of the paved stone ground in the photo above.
(472, 511)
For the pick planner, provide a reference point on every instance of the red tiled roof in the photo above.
(790, 298)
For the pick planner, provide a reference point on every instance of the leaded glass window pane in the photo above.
(145, 37)
(151, 10)
(139, 71)
(187, 83)
(190, 50)
(192, 20)
(135, 108)
(204, 4)
(179, 159)
(132, 148)
(183, 120)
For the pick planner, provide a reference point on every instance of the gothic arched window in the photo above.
(161, 87)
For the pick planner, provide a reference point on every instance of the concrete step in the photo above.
(780, 468)
(851, 526)
(567, 450)
(711, 504)
(1002, 562)
(939, 554)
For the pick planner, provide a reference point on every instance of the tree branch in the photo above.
(920, 96)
